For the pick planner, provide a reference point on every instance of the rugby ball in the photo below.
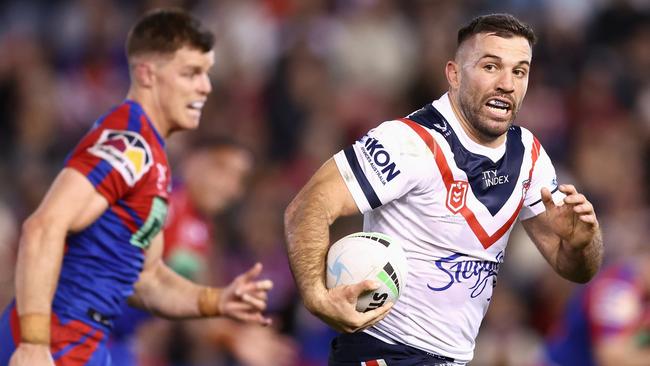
(361, 256)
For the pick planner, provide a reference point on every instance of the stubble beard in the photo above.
(472, 112)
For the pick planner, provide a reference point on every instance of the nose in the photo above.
(506, 83)
(205, 85)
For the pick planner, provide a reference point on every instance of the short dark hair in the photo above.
(166, 31)
(503, 25)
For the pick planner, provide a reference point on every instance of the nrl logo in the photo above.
(456, 195)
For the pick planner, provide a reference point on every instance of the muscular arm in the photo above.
(70, 205)
(307, 221)
(568, 235)
(165, 293)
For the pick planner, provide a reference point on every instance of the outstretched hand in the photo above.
(244, 299)
(338, 308)
(574, 219)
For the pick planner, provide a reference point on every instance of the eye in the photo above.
(520, 72)
(490, 67)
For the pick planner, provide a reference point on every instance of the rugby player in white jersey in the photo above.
(449, 181)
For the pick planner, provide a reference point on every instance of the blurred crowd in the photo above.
(296, 80)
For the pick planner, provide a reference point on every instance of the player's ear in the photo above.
(142, 73)
(452, 72)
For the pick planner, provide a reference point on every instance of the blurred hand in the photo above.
(337, 308)
(245, 298)
(28, 354)
(253, 345)
(574, 220)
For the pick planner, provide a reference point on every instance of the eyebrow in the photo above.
(522, 62)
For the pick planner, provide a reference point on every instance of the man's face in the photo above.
(216, 178)
(181, 86)
(492, 79)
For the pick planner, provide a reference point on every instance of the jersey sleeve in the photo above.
(113, 159)
(543, 176)
(381, 166)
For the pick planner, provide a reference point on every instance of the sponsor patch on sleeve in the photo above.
(126, 151)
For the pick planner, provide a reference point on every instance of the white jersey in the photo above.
(452, 203)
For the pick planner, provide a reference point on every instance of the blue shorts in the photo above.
(73, 342)
(361, 349)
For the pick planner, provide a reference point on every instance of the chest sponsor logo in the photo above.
(492, 178)
(126, 151)
(475, 272)
(456, 196)
(380, 160)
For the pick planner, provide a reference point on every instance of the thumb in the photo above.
(253, 272)
(547, 199)
(363, 286)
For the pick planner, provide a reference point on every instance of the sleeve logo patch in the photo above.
(126, 151)
(379, 160)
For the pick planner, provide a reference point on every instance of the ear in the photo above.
(142, 73)
(452, 72)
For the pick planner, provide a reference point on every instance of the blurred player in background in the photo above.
(213, 178)
(95, 238)
(608, 321)
(448, 182)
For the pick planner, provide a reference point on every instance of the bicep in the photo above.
(71, 202)
(539, 231)
(328, 190)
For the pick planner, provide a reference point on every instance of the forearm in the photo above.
(622, 351)
(307, 232)
(167, 294)
(40, 255)
(580, 265)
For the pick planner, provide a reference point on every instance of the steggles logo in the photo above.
(456, 196)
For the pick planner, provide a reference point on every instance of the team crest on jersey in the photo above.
(456, 195)
(126, 151)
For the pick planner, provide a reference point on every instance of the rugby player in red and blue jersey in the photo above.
(95, 239)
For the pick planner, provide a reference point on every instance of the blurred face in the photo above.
(488, 81)
(217, 178)
(181, 86)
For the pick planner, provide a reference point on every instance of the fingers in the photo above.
(376, 315)
(363, 286)
(547, 199)
(252, 273)
(568, 189)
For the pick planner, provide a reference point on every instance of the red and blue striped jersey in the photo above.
(123, 157)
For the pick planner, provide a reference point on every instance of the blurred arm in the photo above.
(71, 204)
(622, 350)
(165, 293)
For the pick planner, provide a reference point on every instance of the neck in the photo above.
(151, 108)
(474, 134)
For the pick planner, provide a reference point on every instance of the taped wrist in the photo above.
(209, 301)
(35, 328)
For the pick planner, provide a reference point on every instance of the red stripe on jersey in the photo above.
(448, 178)
(371, 363)
(125, 217)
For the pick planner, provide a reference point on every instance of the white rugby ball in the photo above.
(361, 256)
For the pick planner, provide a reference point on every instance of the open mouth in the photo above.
(499, 106)
(196, 106)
